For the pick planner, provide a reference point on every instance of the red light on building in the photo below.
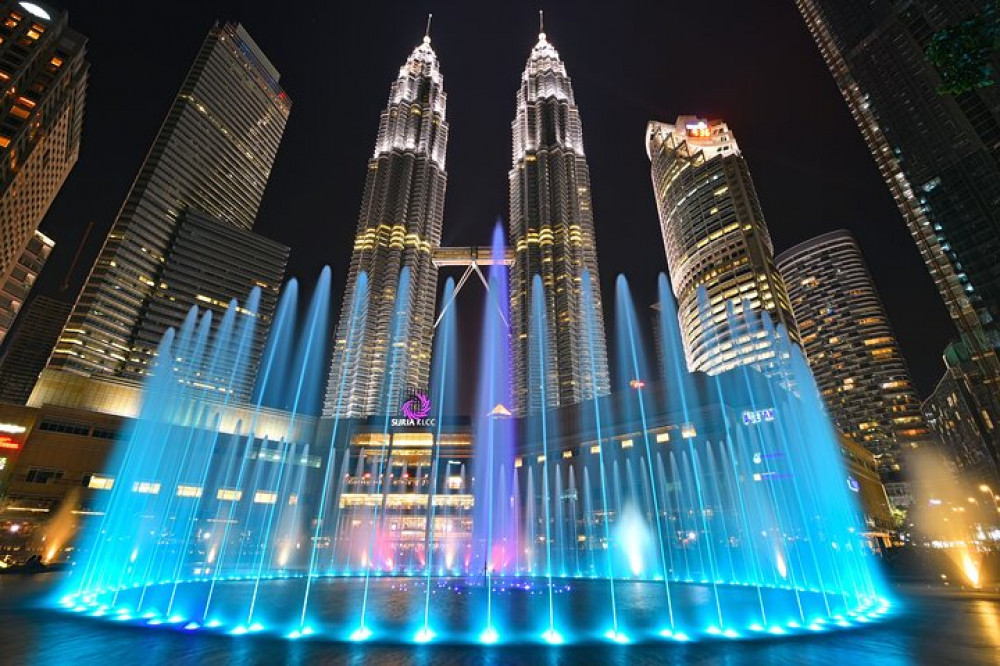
(8, 442)
(637, 384)
(699, 130)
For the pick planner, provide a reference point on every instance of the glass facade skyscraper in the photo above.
(212, 156)
(26, 350)
(43, 75)
(940, 157)
(382, 347)
(852, 350)
(552, 231)
(718, 247)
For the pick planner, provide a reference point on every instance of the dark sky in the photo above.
(752, 64)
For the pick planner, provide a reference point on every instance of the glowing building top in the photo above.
(406, 124)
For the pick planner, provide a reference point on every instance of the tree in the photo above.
(963, 53)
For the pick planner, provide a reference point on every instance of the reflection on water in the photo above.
(929, 630)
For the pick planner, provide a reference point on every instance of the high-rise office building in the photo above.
(27, 349)
(390, 332)
(14, 291)
(211, 157)
(939, 154)
(552, 231)
(43, 76)
(208, 264)
(852, 350)
(717, 244)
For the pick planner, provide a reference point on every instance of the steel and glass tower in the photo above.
(552, 231)
(718, 247)
(211, 157)
(382, 348)
(852, 350)
(938, 151)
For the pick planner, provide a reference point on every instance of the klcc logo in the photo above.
(415, 411)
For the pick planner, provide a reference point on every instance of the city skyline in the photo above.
(301, 201)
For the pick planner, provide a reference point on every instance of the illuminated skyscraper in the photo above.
(212, 157)
(716, 240)
(552, 231)
(852, 351)
(43, 77)
(390, 333)
(14, 291)
(938, 150)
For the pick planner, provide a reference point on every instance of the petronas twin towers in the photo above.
(382, 348)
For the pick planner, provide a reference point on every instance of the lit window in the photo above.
(4, 141)
(662, 437)
(100, 482)
(688, 431)
(265, 497)
(146, 487)
(56, 62)
(454, 483)
(229, 495)
(188, 491)
(626, 443)
(19, 112)
(596, 448)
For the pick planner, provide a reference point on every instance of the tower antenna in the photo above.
(427, 32)
(541, 21)
(76, 258)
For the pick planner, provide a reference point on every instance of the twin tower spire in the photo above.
(382, 347)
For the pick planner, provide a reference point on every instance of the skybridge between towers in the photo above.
(472, 258)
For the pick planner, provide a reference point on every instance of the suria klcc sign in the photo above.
(753, 417)
(415, 412)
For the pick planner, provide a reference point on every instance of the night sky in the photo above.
(753, 64)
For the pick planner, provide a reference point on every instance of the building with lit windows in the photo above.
(852, 350)
(718, 247)
(27, 349)
(208, 264)
(211, 157)
(938, 150)
(552, 232)
(43, 75)
(962, 431)
(382, 349)
(14, 291)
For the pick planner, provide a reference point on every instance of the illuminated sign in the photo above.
(415, 411)
(853, 484)
(699, 129)
(8, 442)
(12, 428)
(758, 416)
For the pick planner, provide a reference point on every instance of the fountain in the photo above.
(680, 507)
